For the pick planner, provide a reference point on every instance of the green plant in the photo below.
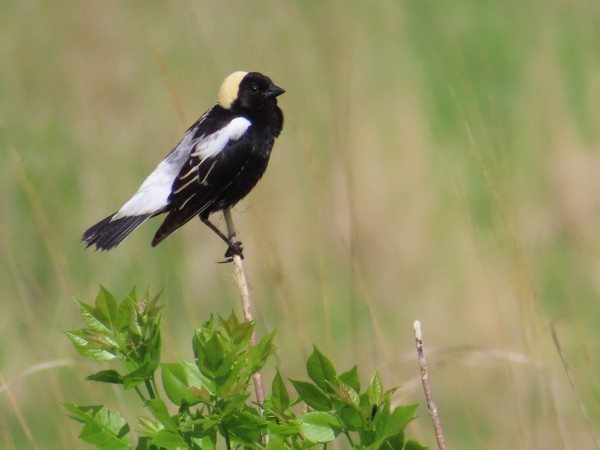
(207, 401)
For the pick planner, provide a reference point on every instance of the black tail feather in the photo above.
(109, 233)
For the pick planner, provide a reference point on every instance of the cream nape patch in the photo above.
(229, 89)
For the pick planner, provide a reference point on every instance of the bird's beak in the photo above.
(274, 91)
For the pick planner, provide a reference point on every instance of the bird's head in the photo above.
(248, 90)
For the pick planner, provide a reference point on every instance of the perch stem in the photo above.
(240, 277)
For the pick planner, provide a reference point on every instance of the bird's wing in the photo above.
(216, 161)
(151, 198)
(153, 195)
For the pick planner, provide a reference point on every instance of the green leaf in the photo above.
(276, 443)
(387, 395)
(106, 376)
(380, 421)
(243, 430)
(350, 377)
(207, 442)
(133, 296)
(352, 419)
(345, 393)
(149, 426)
(202, 394)
(320, 369)
(168, 439)
(367, 438)
(319, 427)
(105, 429)
(312, 395)
(194, 375)
(151, 351)
(141, 304)
(375, 389)
(200, 337)
(106, 305)
(99, 341)
(133, 316)
(123, 314)
(81, 340)
(393, 442)
(390, 423)
(258, 354)
(159, 410)
(154, 310)
(230, 323)
(198, 385)
(401, 417)
(137, 376)
(94, 318)
(143, 443)
(176, 382)
(283, 429)
(242, 333)
(414, 445)
(213, 355)
(235, 404)
(279, 394)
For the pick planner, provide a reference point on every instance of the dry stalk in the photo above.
(240, 278)
(433, 412)
(573, 385)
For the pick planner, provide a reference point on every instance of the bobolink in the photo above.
(217, 163)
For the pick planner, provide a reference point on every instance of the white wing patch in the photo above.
(212, 144)
(153, 194)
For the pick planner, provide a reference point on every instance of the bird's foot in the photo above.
(235, 248)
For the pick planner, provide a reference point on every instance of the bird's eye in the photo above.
(254, 88)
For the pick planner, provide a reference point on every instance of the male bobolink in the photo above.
(217, 163)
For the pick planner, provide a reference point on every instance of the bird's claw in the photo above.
(235, 248)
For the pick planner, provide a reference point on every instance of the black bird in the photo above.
(217, 163)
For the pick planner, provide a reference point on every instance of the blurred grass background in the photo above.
(439, 161)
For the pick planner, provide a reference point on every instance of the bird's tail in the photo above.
(109, 233)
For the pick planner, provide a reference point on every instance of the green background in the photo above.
(439, 161)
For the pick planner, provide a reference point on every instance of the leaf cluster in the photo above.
(333, 405)
(128, 331)
(205, 403)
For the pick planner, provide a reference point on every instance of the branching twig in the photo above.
(240, 277)
(433, 412)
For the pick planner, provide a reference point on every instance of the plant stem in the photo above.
(149, 388)
(226, 435)
(347, 433)
(240, 277)
(140, 394)
(153, 381)
(433, 412)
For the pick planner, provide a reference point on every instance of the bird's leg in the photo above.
(237, 247)
(234, 247)
(213, 227)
